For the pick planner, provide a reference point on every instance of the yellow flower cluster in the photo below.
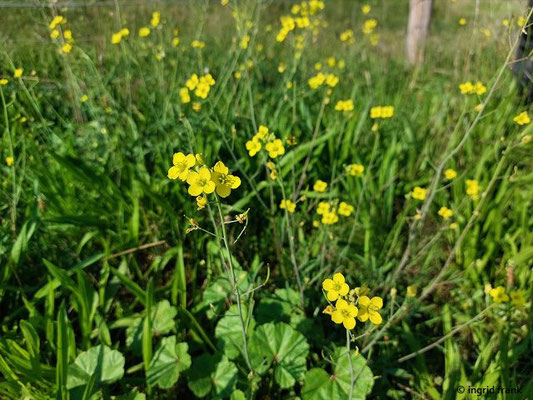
(450, 174)
(473, 188)
(117, 36)
(156, 18)
(302, 19)
(347, 36)
(350, 304)
(472, 88)
(200, 85)
(381, 112)
(419, 193)
(203, 180)
(445, 212)
(344, 105)
(355, 170)
(288, 205)
(330, 214)
(66, 47)
(369, 25)
(319, 79)
(273, 146)
(522, 118)
(320, 186)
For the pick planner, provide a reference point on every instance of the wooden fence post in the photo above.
(418, 28)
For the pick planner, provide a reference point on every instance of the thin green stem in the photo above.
(352, 375)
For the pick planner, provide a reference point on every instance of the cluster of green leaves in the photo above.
(103, 295)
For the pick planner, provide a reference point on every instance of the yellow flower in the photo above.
(328, 310)
(116, 38)
(58, 19)
(200, 182)
(196, 106)
(291, 140)
(317, 80)
(369, 309)
(261, 132)
(505, 22)
(207, 79)
(498, 295)
(197, 44)
(224, 2)
(84, 98)
(125, 32)
(473, 188)
(466, 87)
(356, 170)
(454, 226)
(66, 48)
(245, 41)
(479, 88)
(462, 21)
(381, 112)
(18, 72)
(287, 205)
(155, 19)
(201, 202)
(144, 31)
(330, 218)
(332, 80)
(323, 207)
(335, 287)
(445, 212)
(320, 186)
(67, 34)
(411, 291)
(518, 298)
(9, 161)
(345, 314)
(375, 112)
(282, 67)
(275, 148)
(366, 9)
(419, 193)
(522, 118)
(181, 165)
(345, 209)
(344, 105)
(192, 82)
(450, 174)
(347, 35)
(3, 82)
(184, 95)
(202, 90)
(417, 216)
(223, 180)
(175, 42)
(253, 146)
(237, 74)
(521, 21)
(369, 25)
(54, 34)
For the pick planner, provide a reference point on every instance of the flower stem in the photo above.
(352, 376)
(233, 280)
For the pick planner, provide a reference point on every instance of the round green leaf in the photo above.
(320, 385)
(229, 332)
(105, 364)
(212, 374)
(282, 345)
(168, 361)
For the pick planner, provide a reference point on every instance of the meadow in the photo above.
(246, 199)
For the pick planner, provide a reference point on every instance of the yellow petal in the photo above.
(236, 181)
(375, 318)
(353, 310)
(336, 317)
(223, 190)
(341, 304)
(190, 159)
(364, 301)
(221, 168)
(339, 278)
(195, 190)
(344, 289)
(376, 302)
(362, 315)
(332, 295)
(173, 173)
(177, 158)
(209, 187)
(205, 174)
(349, 323)
(192, 177)
(327, 285)
(184, 174)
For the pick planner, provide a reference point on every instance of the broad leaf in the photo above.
(168, 361)
(213, 374)
(282, 345)
(229, 332)
(101, 362)
(320, 385)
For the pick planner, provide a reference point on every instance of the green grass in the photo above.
(97, 261)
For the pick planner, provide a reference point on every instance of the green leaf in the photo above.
(277, 307)
(101, 361)
(229, 332)
(213, 374)
(320, 385)
(282, 345)
(32, 344)
(238, 395)
(168, 361)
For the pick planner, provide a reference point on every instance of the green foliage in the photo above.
(168, 361)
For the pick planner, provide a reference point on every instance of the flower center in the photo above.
(201, 182)
(345, 313)
(336, 286)
(182, 166)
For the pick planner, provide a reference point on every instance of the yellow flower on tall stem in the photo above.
(369, 309)
(200, 182)
(335, 287)
(345, 314)
(181, 165)
(224, 182)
